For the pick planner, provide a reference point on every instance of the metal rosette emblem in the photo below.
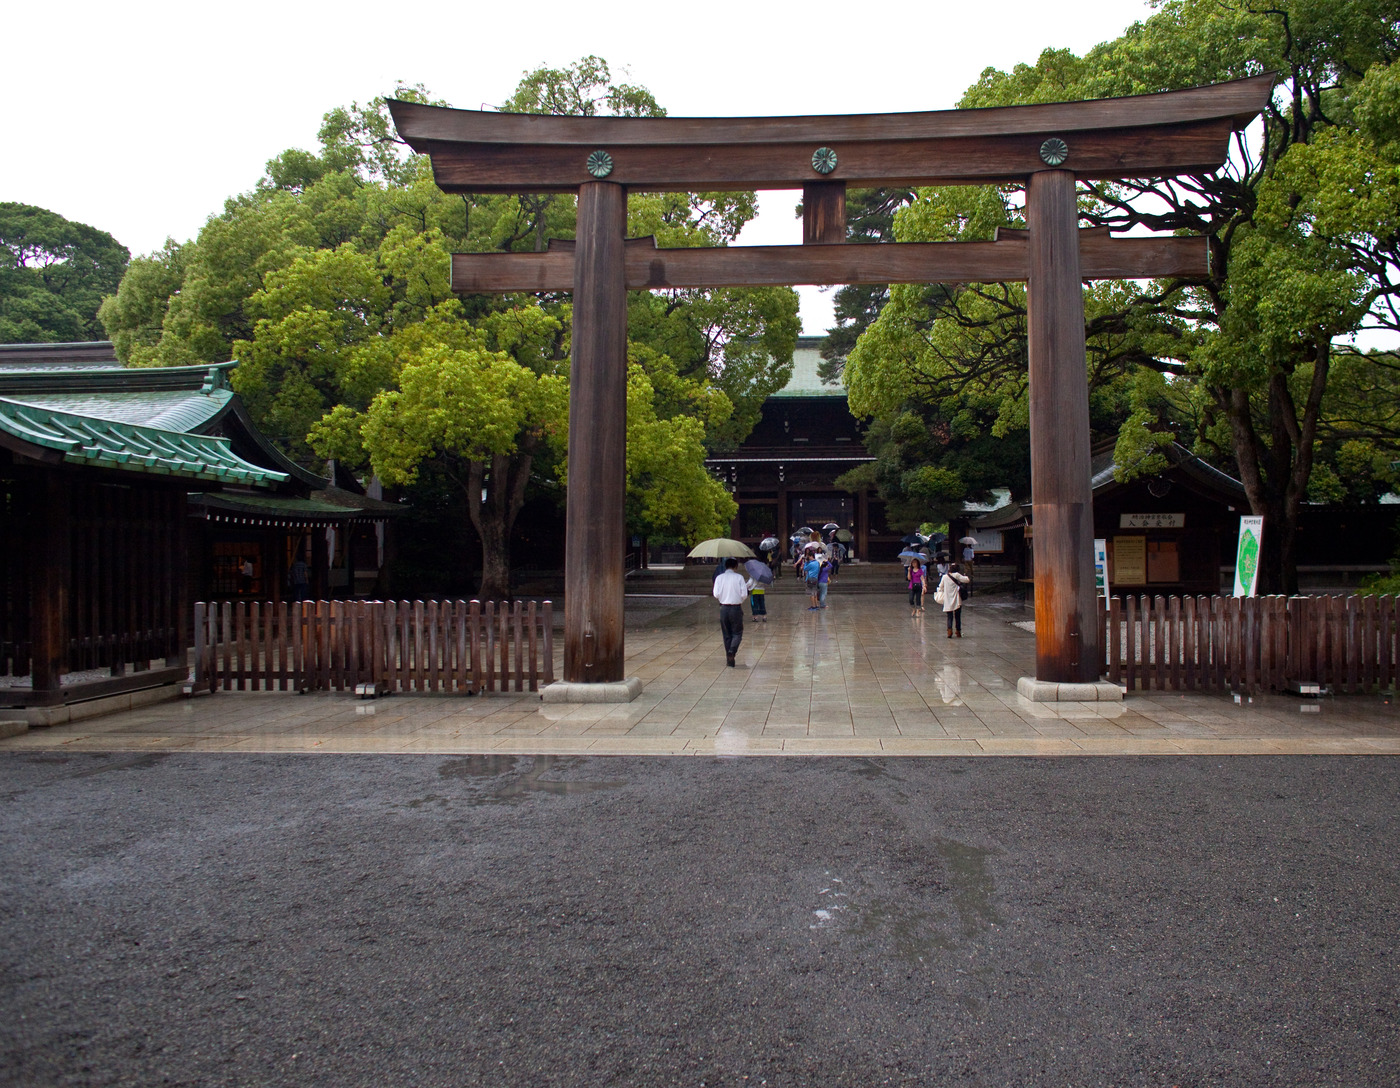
(1054, 151)
(600, 164)
(823, 160)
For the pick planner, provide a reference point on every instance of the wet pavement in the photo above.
(492, 919)
(860, 678)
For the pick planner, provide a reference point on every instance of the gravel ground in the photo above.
(386, 920)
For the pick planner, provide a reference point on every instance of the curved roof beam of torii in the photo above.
(1138, 136)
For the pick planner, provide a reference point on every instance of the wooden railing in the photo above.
(1252, 644)
(464, 647)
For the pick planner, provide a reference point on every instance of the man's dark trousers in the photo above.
(731, 626)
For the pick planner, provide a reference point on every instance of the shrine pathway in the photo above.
(860, 678)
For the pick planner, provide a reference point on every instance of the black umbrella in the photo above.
(806, 530)
(829, 526)
(911, 538)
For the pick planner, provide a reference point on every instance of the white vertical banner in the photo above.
(1101, 568)
(1247, 555)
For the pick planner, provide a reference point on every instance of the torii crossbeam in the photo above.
(1045, 147)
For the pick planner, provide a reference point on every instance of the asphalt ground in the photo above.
(513, 920)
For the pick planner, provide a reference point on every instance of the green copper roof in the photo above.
(107, 443)
(170, 410)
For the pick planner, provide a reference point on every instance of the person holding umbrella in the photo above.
(760, 577)
(769, 553)
(731, 588)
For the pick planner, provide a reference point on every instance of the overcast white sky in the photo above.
(141, 118)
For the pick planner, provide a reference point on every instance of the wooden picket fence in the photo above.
(465, 647)
(1251, 644)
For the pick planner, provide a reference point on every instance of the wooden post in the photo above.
(823, 212)
(1066, 631)
(48, 608)
(594, 532)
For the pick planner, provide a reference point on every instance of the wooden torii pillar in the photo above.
(1045, 147)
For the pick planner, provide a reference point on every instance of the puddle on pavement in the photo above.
(914, 933)
(973, 889)
(510, 778)
(964, 904)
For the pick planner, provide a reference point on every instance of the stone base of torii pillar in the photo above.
(621, 691)
(1049, 691)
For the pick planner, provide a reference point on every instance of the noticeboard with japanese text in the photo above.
(1129, 560)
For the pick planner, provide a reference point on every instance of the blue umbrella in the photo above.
(759, 571)
(909, 554)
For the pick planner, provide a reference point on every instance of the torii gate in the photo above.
(1045, 147)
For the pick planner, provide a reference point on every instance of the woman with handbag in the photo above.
(917, 582)
(949, 595)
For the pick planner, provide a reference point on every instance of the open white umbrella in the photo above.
(968, 540)
(768, 542)
(721, 548)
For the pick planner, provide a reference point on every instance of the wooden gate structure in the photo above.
(1045, 147)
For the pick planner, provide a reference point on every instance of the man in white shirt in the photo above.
(731, 590)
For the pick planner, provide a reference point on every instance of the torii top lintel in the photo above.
(1150, 135)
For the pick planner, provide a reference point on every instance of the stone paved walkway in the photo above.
(861, 678)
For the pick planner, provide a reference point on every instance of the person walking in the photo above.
(823, 582)
(758, 601)
(811, 572)
(917, 580)
(730, 589)
(950, 592)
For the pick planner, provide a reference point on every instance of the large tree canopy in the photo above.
(53, 276)
(1303, 232)
(330, 284)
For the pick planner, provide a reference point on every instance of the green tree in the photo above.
(869, 218)
(330, 283)
(1302, 228)
(53, 275)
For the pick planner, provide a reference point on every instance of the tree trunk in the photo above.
(502, 484)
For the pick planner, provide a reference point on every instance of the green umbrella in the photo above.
(721, 548)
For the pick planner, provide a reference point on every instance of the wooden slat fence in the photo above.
(465, 647)
(1252, 644)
